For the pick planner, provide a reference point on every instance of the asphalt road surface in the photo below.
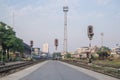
(55, 70)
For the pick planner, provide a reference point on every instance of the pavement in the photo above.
(56, 70)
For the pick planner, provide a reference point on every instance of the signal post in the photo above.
(90, 36)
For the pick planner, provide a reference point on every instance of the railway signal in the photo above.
(90, 36)
(56, 43)
(90, 32)
(31, 45)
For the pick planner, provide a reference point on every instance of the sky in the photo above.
(43, 21)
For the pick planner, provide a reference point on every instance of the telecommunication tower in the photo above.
(65, 10)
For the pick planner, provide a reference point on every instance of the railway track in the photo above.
(104, 70)
(9, 69)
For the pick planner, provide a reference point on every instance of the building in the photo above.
(116, 50)
(45, 51)
(27, 50)
(85, 51)
(36, 53)
(74, 55)
(45, 48)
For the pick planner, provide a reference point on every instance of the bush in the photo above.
(114, 57)
(68, 55)
(95, 56)
(103, 55)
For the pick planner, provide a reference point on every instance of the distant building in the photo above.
(45, 48)
(85, 51)
(74, 55)
(116, 50)
(36, 53)
(27, 50)
(45, 51)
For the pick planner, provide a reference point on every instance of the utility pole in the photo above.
(65, 10)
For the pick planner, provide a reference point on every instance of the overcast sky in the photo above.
(43, 20)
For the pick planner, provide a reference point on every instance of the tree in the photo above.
(103, 52)
(56, 55)
(9, 41)
(68, 55)
(8, 36)
(18, 45)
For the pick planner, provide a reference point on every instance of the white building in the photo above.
(75, 54)
(46, 48)
(87, 49)
(116, 50)
(83, 50)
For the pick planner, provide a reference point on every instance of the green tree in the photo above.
(2, 36)
(68, 55)
(9, 41)
(8, 36)
(18, 45)
(103, 52)
(56, 55)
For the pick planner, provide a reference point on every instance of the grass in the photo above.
(107, 63)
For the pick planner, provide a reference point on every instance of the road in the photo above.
(56, 70)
